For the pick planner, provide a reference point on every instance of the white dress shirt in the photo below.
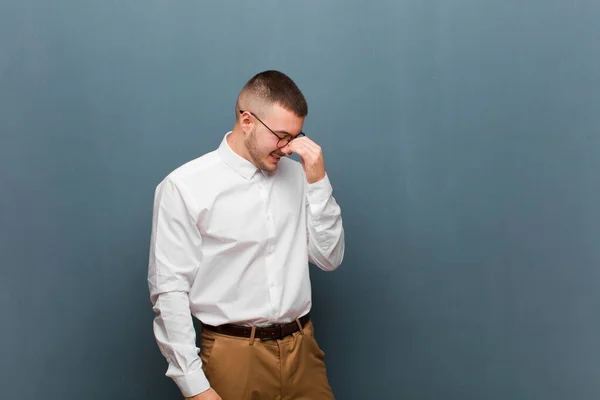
(231, 244)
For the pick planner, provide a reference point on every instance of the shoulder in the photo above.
(192, 171)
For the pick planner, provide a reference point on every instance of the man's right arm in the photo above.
(174, 259)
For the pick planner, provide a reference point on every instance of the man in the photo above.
(232, 234)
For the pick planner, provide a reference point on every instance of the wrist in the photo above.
(314, 178)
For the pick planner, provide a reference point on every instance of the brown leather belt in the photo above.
(270, 332)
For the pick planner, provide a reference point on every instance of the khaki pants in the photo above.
(292, 368)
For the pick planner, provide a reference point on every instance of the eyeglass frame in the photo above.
(301, 134)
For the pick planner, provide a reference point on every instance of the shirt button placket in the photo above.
(262, 188)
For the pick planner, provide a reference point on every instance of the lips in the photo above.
(276, 157)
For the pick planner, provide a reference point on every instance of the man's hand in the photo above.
(210, 394)
(311, 155)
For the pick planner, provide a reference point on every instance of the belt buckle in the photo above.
(276, 337)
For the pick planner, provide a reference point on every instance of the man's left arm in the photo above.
(323, 214)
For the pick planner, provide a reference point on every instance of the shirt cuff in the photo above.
(320, 191)
(192, 384)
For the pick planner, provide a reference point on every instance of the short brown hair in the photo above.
(274, 87)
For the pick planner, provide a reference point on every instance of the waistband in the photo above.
(271, 332)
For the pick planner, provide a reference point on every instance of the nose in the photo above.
(286, 150)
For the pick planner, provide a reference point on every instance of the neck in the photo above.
(236, 141)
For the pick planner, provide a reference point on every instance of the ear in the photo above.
(246, 122)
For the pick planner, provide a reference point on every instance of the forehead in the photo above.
(281, 120)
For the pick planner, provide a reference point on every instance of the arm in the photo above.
(323, 215)
(174, 259)
(324, 225)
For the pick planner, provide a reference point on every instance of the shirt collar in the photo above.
(236, 162)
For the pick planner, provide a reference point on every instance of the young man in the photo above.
(232, 234)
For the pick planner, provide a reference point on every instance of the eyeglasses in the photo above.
(283, 140)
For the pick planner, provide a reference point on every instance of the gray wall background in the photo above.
(461, 137)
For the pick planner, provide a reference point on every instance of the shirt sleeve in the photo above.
(324, 226)
(174, 259)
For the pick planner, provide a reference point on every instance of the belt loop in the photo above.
(252, 334)
(300, 326)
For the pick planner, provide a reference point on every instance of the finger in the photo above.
(305, 139)
(311, 146)
(304, 153)
(307, 142)
(304, 149)
(286, 150)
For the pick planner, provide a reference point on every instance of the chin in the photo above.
(270, 167)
